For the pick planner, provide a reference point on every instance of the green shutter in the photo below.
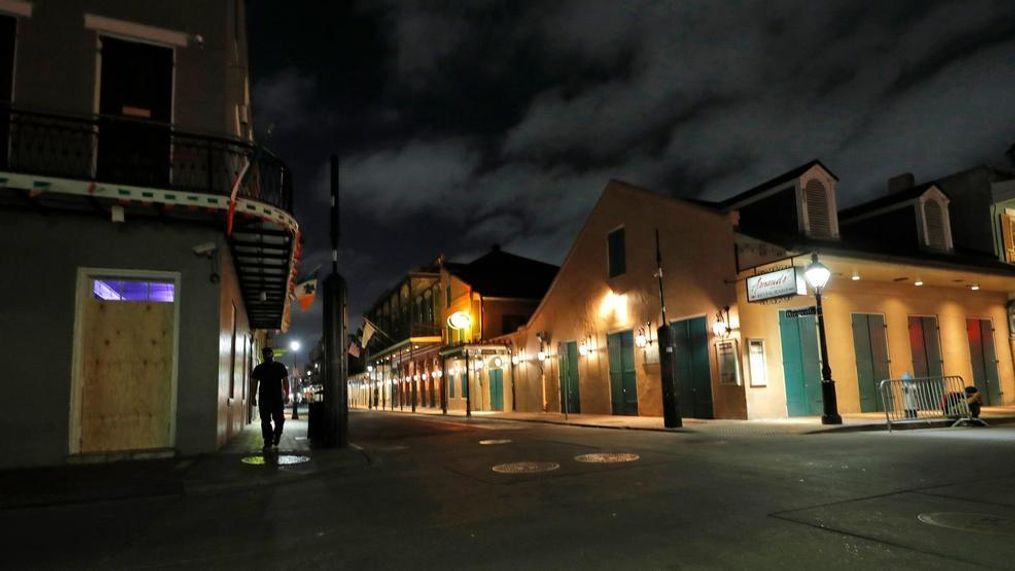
(617, 253)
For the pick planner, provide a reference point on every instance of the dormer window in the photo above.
(818, 210)
(936, 225)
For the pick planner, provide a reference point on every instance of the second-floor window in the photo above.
(617, 256)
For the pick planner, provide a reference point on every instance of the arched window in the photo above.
(935, 218)
(819, 222)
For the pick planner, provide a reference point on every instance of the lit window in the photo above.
(133, 290)
(617, 260)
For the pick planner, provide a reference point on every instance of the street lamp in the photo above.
(817, 276)
(294, 346)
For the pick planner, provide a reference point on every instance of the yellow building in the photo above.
(900, 300)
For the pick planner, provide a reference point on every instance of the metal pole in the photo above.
(667, 355)
(444, 386)
(828, 398)
(468, 391)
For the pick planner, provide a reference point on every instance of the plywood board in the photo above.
(127, 352)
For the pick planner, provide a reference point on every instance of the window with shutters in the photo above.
(1008, 237)
(935, 225)
(617, 260)
(819, 219)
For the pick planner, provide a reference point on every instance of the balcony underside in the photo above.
(261, 243)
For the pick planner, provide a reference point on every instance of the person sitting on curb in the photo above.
(974, 400)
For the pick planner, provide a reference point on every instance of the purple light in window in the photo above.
(132, 290)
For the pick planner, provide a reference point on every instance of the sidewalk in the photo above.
(859, 422)
(238, 465)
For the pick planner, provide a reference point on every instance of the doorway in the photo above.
(691, 367)
(870, 346)
(801, 364)
(925, 345)
(123, 395)
(983, 358)
(570, 398)
(135, 112)
(496, 389)
(623, 380)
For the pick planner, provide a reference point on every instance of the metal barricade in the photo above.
(926, 399)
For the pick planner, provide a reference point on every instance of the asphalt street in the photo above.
(447, 493)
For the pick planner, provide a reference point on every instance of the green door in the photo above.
(570, 399)
(691, 367)
(451, 386)
(496, 389)
(926, 349)
(801, 364)
(983, 358)
(871, 348)
(623, 383)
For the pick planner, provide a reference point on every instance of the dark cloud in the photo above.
(461, 124)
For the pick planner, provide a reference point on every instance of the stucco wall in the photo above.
(231, 413)
(37, 308)
(697, 248)
(56, 58)
(896, 301)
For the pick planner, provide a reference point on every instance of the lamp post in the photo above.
(294, 346)
(817, 276)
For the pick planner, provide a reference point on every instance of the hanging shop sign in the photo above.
(786, 282)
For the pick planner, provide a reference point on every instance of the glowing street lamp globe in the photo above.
(294, 345)
(817, 274)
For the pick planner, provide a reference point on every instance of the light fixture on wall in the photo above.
(975, 287)
(721, 326)
(438, 373)
(583, 348)
(643, 338)
(856, 276)
(541, 355)
(515, 359)
(498, 362)
(918, 282)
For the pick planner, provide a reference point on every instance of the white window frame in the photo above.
(935, 195)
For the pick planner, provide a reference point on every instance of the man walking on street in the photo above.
(272, 393)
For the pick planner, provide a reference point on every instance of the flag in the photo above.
(237, 183)
(368, 332)
(354, 349)
(306, 289)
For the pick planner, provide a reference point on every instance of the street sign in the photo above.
(801, 312)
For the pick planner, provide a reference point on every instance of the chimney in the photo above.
(901, 182)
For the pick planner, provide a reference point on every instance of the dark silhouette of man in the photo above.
(272, 393)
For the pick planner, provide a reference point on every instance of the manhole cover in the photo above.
(280, 460)
(495, 441)
(607, 457)
(980, 523)
(525, 467)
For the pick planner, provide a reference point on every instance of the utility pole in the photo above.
(336, 403)
(667, 373)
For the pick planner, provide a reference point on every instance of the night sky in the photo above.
(464, 124)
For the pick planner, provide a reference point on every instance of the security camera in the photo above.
(205, 249)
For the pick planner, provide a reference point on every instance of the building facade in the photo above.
(125, 127)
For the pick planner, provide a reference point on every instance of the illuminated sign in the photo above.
(786, 282)
(460, 320)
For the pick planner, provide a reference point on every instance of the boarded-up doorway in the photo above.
(126, 353)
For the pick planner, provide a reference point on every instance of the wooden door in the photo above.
(925, 346)
(801, 364)
(692, 370)
(127, 352)
(870, 345)
(623, 381)
(570, 397)
(983, 358)
(496, 389)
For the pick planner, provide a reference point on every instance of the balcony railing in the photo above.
(138, 153)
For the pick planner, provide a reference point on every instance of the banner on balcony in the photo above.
(306, 289)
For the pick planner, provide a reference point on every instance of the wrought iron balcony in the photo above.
(136, 152)
(151, 157)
